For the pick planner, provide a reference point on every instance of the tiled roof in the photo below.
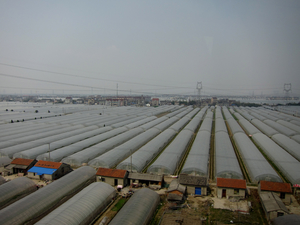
(20, 161)
(105, 172)
(231, 183)
(275, 186)
(192, 180)
(48, 164)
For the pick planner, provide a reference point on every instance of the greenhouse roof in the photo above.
(275, 186)
(231, 183)
(41, 171)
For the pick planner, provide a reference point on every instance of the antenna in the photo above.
(199, 87)
(287, 88)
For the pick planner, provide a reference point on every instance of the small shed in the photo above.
(4, 162)
(231, 188)
(176, 191)
(272, 205)
(282, 190)
(195, 185)
(113, 177)
(151, 180)
(49, 170)
(20, 166)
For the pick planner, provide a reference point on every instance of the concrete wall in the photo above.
(230, 193)
(33, 175)
(191, 190)
(286, 200)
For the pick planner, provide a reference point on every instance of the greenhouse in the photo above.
(257, 116)
(10, 151)
(227, 113)
(169, 160)
(234, 126)
(288, 144)
(218, 113)
(121, 152)
(34, 152)
(139, 209)
(247, 115)
(286, 163)
(289, 125)
(58, 154)
(209, 114)
(140, 122)
(194, 123)
(2, 180)
(248, 127)
(5, 144)
(125, 121)
(164, 125)
(30, 208)
(296, 138)
(280, 128)
(95, 198)
(206, 124)
(226, 163)
(197, 161)
(220, 125)
(146, 153)
(154, 123)
(94, 151)
(16, 189)
(238, 116)
(257, 166)
(180, 124)
(267, 130)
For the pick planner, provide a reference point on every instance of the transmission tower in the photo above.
(199, 87)
(287, 88)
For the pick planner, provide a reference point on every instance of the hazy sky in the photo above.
(233, 46)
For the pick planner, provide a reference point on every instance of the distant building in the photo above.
(113, 177)
(68, 100)
(155, 101)
(146, 178)
(195, 185)
(214, 100)
(47, 170)
(282, 190)
(231, 188)
(20, 166)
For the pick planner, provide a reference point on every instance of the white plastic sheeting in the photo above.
(234, 126)
(289, 125)
(83, 207)
(226, 163)
(29, 208)
(169, 160)
(220, 125)
(267, 130)
(286, 163)
(288, 144)
(146, 153)
(257, 166)
(60, 153)
(280, 128)
(94, 151)
(116, 155)
(248, 127)
(139, 209)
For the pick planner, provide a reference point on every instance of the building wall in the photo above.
(286, 200)
(230, 193)
(33, 175)
(191, 190)
(274, 214)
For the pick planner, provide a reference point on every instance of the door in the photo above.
(223, 193)
(197, 190)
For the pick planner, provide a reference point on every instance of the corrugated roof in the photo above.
(48, 164)
(41, 170)
(272, 202)
(275, 186)
(231, 183)
(105, 172)
(175, 186)
(145, 176)
(20, 161)
(192, 180)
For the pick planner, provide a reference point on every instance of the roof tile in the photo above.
(48, 164)
(20, 161)
(231, 183)
(105, 172)
(275, 186)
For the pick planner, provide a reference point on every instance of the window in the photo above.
(236, 191)
(282, 195)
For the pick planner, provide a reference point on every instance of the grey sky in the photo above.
(233, 47)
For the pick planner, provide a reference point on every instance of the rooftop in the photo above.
(48, 164)
(275, 186)
(20, 161)
(231, 183)
(192, 180)
(105, 172)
